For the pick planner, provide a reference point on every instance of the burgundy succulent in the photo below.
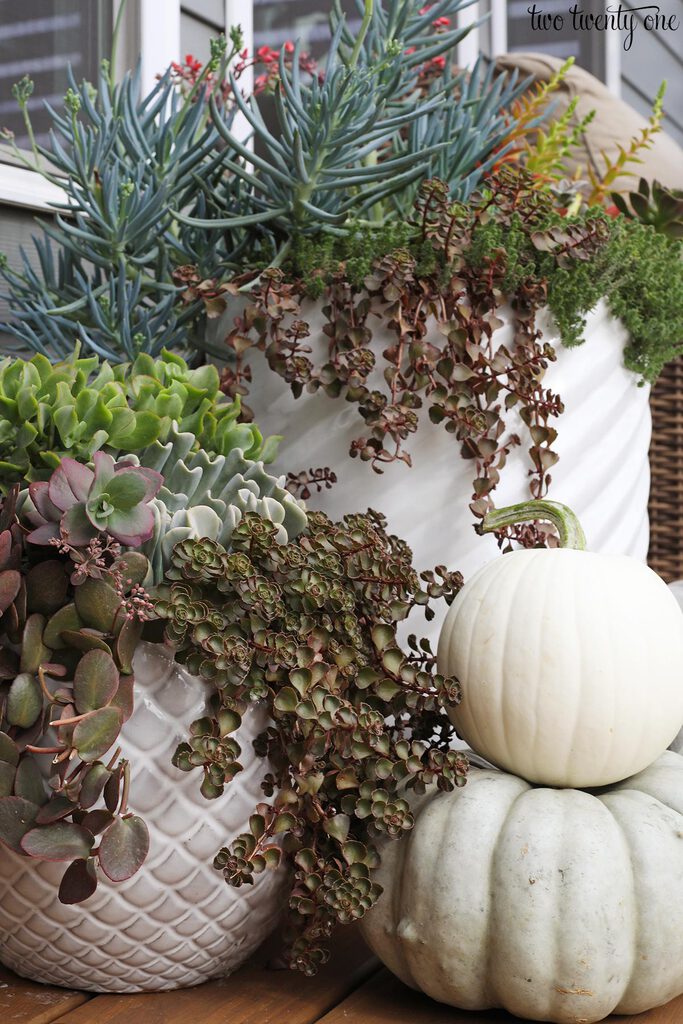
(77, 502)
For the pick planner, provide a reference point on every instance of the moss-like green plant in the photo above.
(83, 405)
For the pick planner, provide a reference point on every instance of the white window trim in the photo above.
(152, 31)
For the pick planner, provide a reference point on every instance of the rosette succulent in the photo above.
(77, 503)
(83, 405)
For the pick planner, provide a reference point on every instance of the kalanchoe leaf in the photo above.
(24, 701)
(79, 881)
(99, 606)
(124, 847)
(29, 782)
(124, 698)
(33, 650)
(93, 784)
(96, 821)
(97, 732)
(112, 789)
(67, 618)
(62, 840)
(8, 749)
(95, 682)
(7, 773)
(58, 807)
(86, 640)
(16, 818)
(46, 587)
(10, 581)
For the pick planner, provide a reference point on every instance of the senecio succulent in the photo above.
(83, 405)
(310, 627)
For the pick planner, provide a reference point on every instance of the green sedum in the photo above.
(82, 405)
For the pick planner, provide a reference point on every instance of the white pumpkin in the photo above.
(557, 905)
(571, 663)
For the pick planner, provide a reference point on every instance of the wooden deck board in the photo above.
(23, 1002)
(352, 989)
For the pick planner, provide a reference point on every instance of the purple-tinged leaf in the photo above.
(39, 492)
(133, 527)
(29, 781)
(124, 698)
(9, 664)
(60, 841)
(79, 882)
(112, 790)
(7, 773)
(33, 650)
(99, 606)
(95, 734)
(96, 821)
(134, 567)
(127, 641)
(70, 482)
(93, 783)
(16, 818)
(46, 587)
(95, 682)
(78, 528)
(86, 640)
(67, 618)
(55, 809)
(123, 848)
(24, 701)
(9, 751)
(10, 581)
(44, 534)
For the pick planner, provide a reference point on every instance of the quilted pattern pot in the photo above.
(176, 922)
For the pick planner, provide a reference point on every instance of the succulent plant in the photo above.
(71, 620)
(310, 627)
(205, 495)
(82, 405)
(77, 503)
(654, 204)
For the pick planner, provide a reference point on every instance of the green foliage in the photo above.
(654, 204)
(81, 405)
(310, 627)
(72, 617)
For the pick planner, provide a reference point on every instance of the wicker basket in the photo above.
(666, 467)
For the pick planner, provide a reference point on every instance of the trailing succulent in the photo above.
(81, 405)
(309, 627)
(440, 288)
(72, 615)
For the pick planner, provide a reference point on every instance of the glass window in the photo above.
(200, 22)
(40, 38)
(588, 48)
(276, 21)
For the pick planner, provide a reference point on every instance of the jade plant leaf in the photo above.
(123, 848)
(9, 751)
(61, 840)
(46, 587)
(33, 650)
(95, 682)
(28, 782)
(93, 784)
(79, 881)
(7, 773)
(67, 618)
(55, 809)
(99, 606)
(24, 701)
(10, 581)
(96, 733)
(16, 818)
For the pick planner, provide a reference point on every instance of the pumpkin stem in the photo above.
(561, 516)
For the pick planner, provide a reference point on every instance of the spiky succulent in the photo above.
(82, 405)
(310, 627)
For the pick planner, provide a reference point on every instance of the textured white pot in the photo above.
(603, 442)
(176, 922)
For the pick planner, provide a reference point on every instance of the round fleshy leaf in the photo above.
(79, 881)
(93, 783)
(94, 735)
(123, 848)
(99, 606)
(24, 701)
(96, 821)
(9, 751)
(46, 587)
(85, 640)
(124, 698)
(7, 773)
(95, 682)
(55, 809)
(10, 581)
(67, 618)
(29, 782)
(9, 664)
(16, 818)
(33, 650)
(134, 567)
(60, 841)
(128, 640)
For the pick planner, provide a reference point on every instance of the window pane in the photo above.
(276, 21)
(588, 48)
(40, 38)
(200, 22)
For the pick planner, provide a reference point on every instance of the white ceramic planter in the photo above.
(176, 923)
(603, 442)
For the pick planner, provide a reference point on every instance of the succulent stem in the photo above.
(561, 516)
(364, 26)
